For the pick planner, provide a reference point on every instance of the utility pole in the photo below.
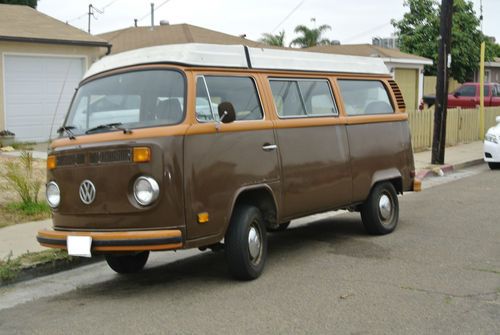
(439, 137)
(481, 77)
(91, 14)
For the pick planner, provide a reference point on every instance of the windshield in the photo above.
(132, 100)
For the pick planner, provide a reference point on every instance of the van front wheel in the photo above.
(380, 212)
(246, 243)
(129, 263)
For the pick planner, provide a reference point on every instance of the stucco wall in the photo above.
(91, 54)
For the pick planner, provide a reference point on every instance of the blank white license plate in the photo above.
(79, 246)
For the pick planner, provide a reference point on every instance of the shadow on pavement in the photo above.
(343, 234)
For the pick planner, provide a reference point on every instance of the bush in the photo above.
(28, 209)
(9, 268)
(20, 177)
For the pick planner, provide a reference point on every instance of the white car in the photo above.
(492, 146)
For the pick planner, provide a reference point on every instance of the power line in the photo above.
(86, 13)
(289, 14)
(371, 30)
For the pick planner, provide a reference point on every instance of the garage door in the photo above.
(37, 93)
(407, 80)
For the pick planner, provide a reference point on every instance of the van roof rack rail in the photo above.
(239, 56)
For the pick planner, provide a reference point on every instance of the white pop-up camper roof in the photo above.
(239, 56)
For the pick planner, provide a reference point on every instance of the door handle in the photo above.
(269, 147)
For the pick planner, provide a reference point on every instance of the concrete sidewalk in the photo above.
(20, 238)
(456, 157)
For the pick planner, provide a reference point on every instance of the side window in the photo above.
(287, 98)
(317, 97)
(467, 91)
(205, 111)
(302, 98)
(365, 97)
(496, 91)
(240, 91)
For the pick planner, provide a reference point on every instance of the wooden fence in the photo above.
(462, 125)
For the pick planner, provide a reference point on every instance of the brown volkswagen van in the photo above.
(210, 146)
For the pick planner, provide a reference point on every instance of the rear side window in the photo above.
(467, 91)
(496, 91)
(240, 91)
(302, 98)
(365, 97)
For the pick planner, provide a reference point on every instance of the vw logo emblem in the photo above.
(87, 192)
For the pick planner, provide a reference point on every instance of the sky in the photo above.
(354, 21)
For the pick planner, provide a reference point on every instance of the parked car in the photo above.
(186, 146)
(492, 146)
(467, 96)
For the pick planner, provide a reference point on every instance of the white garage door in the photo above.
(33, 85)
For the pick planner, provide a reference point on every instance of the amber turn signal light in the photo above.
(51, 162)
(142, 155)
(203, 218)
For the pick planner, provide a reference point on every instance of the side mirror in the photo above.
(226, 112)
(456, 94)
(497, 119)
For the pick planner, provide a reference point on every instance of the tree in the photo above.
(492, 49)
(418, 34)
(31, 3)
(274, 39)
(311, 37)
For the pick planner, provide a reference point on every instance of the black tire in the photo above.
(494, 166)
(380, 212)
(280, 228)
(129, 263)
(246, 261)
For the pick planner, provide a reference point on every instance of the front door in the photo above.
(221, 159)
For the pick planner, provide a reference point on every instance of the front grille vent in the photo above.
(74, 159)
(399, 96)
(111, 156)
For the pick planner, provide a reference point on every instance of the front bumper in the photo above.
(491, 152)
(130, 241)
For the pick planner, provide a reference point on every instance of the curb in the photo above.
(48, 268)
(446, 168)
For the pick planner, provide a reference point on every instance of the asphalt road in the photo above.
(439, 272)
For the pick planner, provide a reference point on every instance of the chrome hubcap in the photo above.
(254, 243)
(385, 207)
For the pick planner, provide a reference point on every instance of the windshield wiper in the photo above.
(115, 125)
(67, 130)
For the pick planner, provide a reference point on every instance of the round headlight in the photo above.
(146, 190)
(53, 194)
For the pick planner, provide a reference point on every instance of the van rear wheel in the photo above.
(129, 263)
(246, 243)
(380, 212)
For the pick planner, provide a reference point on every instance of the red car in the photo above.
(467, 96)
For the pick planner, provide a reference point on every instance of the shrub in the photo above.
(20, 177)
(9, 268)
